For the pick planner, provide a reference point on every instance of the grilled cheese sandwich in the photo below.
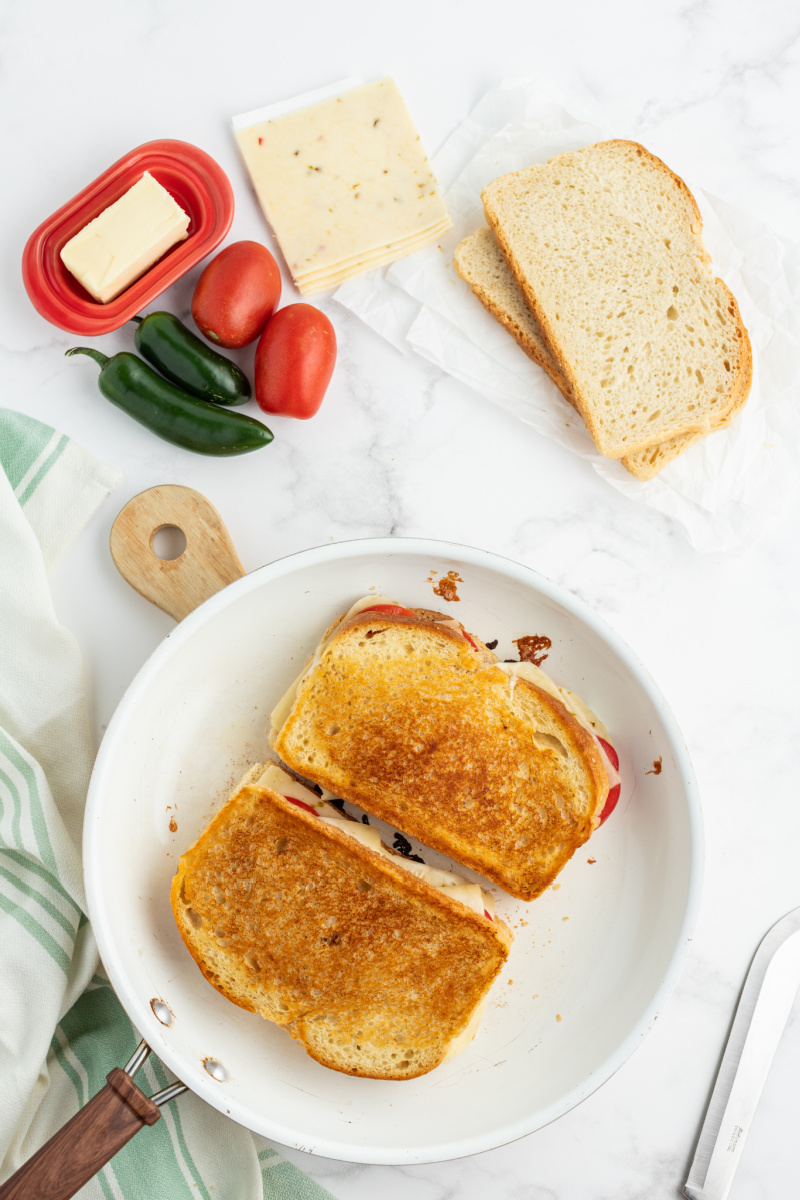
(412, 718)
(371, 968)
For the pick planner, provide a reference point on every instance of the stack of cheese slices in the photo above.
(345, 184)
(594, 262)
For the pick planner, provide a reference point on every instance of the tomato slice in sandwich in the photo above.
(398, 608)
(302, 804)
(389, 608)
(613, 795)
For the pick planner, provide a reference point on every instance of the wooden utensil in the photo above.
(178, 585)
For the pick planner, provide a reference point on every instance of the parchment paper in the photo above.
(724, 489)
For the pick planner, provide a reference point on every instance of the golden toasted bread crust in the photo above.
(372, 970)
(403, 718)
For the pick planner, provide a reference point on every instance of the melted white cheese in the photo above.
(456, 887)
(469, 894)
(283, 783)
(467, 1035)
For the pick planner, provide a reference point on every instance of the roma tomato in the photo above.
(294, 361)
(237, 294)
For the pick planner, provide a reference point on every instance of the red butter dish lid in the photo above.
(192, 178)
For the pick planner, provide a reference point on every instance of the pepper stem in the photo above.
(138, 320)
(99, 358)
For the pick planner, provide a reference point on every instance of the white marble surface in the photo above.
(398, 449)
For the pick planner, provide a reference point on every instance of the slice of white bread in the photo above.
(605, 244)
(480, 263)
(373, 971)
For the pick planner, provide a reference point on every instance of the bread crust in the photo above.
(539, 354)
(647, 463)
(402, 718)
(371, 969)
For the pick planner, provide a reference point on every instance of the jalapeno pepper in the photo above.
(177, 353)
(174, 415)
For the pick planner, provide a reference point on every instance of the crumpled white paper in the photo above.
(724, 489)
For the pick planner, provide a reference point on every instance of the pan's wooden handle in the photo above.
(84, 1144)
(177, 585)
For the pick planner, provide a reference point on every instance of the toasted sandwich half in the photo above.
(405, 714)
(376, 964)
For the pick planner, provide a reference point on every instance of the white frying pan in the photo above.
(594, 959)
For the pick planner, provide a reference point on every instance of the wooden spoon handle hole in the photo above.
(168, 542)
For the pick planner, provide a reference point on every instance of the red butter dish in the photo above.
(192, 178)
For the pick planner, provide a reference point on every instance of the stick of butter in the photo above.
(126, 239)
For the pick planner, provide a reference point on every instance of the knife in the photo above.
(767, 998)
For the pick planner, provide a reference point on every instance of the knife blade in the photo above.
(767, 998)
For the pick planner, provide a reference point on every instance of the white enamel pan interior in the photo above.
(594, 959)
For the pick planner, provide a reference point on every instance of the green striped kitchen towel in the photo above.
(61, 1026)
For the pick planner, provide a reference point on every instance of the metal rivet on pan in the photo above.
(162, 1011)
(215, 1069)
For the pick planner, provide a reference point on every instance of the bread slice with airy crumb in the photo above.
(651, 345)
(417, 723)
(645, 464)
(480, 263)
(374, 971)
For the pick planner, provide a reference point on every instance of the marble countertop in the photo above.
(400, 449)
